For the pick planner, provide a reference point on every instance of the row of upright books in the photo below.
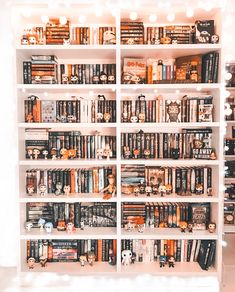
(69, 111)
(79, 180)
(163, 215)
(183, 181)
(85, 214)
(59, 250)
(185, 250)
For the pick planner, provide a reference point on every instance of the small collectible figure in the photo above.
(129, 226)
(66, 42)
(162, 190)
(155, 189)
(58, 187)
(42, 189)
(43, 261)
(190, 227)
(126, 257)
(82, 225)
(64, 153)
(148, 190)
(99, 153)
(175, 153)
(30, 153)
(163, 224)
(140, 224)
(45, 153)
(41, 223)
(32, 39)
(38, 79)
(36, 153)
(162, 261)
(142, 187)
(30, 189)
(71, 153)
(199, 189)
(28, 225)
(31, 262)
(133, 258)
(65, 79)
(99, 117)
(165, 40)
(136, 191)
(213, 155)
(209, 192)
(71, 119)
(146, 153)
(157, 42)
(83, 260)
(110, 190)
(134, 119)
(73, 79)
(70, 227)
(66, 190)
(29, 118)
(183, 225)
(107, 151)
(53, 154)
(141, 117)
(107, 117)
(127, 152)
(214, 39)
(168, 189)
(174, 42)
(61, 225)
(112, 260)
(91, 258)
(103, 77)
(109, 38)
(171, 262)
(136, 152)
(24, 40)
(48, 227)
(211, 227)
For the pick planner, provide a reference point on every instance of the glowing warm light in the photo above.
(63, 20)
(189, 12)
(177, 91)
(199, 88)
(91, 92)
(98, 11)
(113, 89)
(228, 76)
(44, 19)
(26, 12)
(226, 148)
(45, 93)
(224, 243)
(152, 17)
(228, 111)
(155, 91)
(133, 15)
(171, 17)
(82, 18)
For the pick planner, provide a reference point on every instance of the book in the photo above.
(134, 71)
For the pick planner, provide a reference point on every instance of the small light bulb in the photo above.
(82, 18)
(133, 15)
(91, 92)
(26, 12)
(177, 91)
(226, 148)
(98, 12)
(199, 88)
(189, 12)
(63, 20)
(228, 76)
(23, 89)
(67, 94)
(152, 17)
(226, 93)
(113, 89)
(45, 93)
(224, 243)
(44, 19)
(155, 91)
(228, 111)
(171, 17)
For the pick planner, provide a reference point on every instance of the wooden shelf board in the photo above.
(169, 125)
(67, 163)
(171, 162)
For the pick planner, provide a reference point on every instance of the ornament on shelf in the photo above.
(71, 153)
(168, 189)
(162, 261)
(209, 192)
(70, 227)
(61, 226)
(148, 191)
(174, 41)
(48, 227)
(38, 79)
(165, 40)
(212, 227)
(110, 190)
(64, 153)
(45, 153)
(66, 190)
(41, 223)
(136, 191)
(112, 260)
(141, 117)
(183, 225)
(43, 261)
(83, 260)
(107, 117)
(136, 152)
(134, 119)
(65, 79)
(30, 189)
(99, 117)
(91, 258)
(107, 151)
(190, 227)
(142, 187)
(24, 40)
(32, 39)
(31, 263)
(109, 37)
(126, 257)
(42, 189)
(99, 153)
(73, 79)
(36, 153)
(58, 187)
(103, 77)
(127, 152)
(171, 262)
(82, 225)
(28, 225)
(175, 153)
(53, 154)
(66, 42)
(146, 153)
(199, 189)
(214, 39)
(162, 190)
(133, 258)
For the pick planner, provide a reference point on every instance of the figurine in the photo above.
(134, 119)
(157, 42)
(162, 261)
(183, 226)
(82, 225)
(61, 225)
(45, 153)
(146, 153)
(36, 153)
(111, 79)
(163, 224)
(209, 192)
(53, 154)
(155, 189)
(83, 260)
(32, 39)
(175, 153)
(174, 42)
(70, 227)
(58, 187)
(214, 39)
(126, 257)
(31, 262)
(66, 190)
(71, 153)
(42, 189)
(107, 117)
(129, 226)
(109, 38)
(30, 153)
(162, 190)
(103, 77)
(91, 258)
(65, 79)
(73, 79)
(133, 258)
(141, 117)
(211, 227)
(28, 225)
(190, 227)
(168, 189)
(24, 40)
(148, 191)
(29, 118)
(136, 191)
(171, 262)
(136, 152)
(127, 152)
(99, 117)
(64, 153)
(140, 224)
(199, 189)
(99, 153)
(213, 155)
(48, 227)
(110, 190)
(43, 261)
(66, 42)
(112, 260)
(142, 187)
(107, 151)
(166, 40)
(30, 189)
(41, 223)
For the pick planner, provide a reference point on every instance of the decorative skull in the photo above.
(134, 119)
(126, 257)
(28, 225)
(48, 227)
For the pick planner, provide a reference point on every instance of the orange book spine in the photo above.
(149, 74)
(178, 215)
(37, 111)
(95, 180)
(99, 250)
(69, 70)
(72, 181)
(78, 36)
(115, 247)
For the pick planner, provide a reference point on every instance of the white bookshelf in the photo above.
(115, 53)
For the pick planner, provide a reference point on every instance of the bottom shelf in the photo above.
(186, 269)
(71, 268)
(229, 228)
